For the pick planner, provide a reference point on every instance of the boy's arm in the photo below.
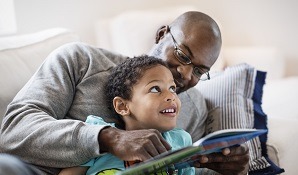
(78, 170)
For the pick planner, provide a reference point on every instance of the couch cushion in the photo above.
(233, 98)
(285, 90)
(284, 138)
(21, 55)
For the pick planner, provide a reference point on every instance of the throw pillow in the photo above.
(233, 98)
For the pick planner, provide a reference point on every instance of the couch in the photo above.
(20, 56)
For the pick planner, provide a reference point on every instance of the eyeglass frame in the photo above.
(187, 61)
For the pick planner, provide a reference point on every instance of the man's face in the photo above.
(201, 52)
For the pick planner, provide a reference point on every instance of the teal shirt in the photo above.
(109, 164)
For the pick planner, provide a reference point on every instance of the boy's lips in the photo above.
(170, 110)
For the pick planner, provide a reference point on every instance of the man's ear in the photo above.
(161, 33)
(120, 106)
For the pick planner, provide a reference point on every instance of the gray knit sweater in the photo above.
(44, 122)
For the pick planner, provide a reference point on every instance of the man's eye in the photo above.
(182, 57)
(179, 54)
(198, 71)
(155, 89)
(173, 89)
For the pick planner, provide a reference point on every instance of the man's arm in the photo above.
(132, 145)
(43, 124)
(38, 127)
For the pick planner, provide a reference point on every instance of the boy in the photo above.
(142, 92)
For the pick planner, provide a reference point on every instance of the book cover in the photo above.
(184, 157)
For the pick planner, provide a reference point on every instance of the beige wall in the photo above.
(261, 23)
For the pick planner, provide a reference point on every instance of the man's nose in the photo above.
(185, 71)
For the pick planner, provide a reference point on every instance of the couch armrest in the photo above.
(283, 136)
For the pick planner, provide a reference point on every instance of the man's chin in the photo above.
(180, 90)
(179, 87)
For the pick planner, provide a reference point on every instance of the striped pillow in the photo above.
(230, 98)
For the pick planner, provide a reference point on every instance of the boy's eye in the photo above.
(155, 89)
(173, 89)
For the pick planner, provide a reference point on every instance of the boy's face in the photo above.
(154, 103)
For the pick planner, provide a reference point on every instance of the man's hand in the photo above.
(232, 161)
(132, 145)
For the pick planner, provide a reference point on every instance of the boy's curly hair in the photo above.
(124, 76)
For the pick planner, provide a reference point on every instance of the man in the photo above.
(43, 124)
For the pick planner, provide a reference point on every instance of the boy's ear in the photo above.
(120, 106)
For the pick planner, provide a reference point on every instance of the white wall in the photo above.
(78, 15)
(265, 23)
(261, 23)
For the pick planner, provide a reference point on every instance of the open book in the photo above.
(184, 157)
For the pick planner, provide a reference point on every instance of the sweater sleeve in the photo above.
(44, 124)
(193, 113)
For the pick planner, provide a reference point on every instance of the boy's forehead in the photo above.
(157, 73)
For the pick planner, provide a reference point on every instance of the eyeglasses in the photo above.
(184, 59)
